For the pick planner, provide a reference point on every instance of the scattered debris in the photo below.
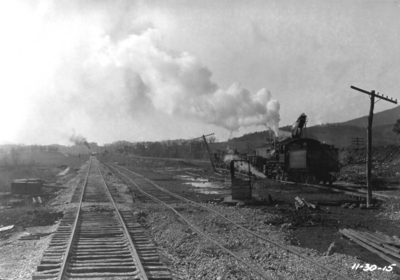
(64, 172)
(361, 206)
(286, 226)
(37, 200)
(6, 228)
(331, 249)
(240, 204)
(215, 200)
(35, 236)
(300, 203)
(335, 247)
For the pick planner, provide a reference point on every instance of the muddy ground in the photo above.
(312, 232)
(312, 229)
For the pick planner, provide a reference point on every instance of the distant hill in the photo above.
(341, 134)
(382, 118)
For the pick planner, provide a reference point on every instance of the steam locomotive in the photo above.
(298, 159)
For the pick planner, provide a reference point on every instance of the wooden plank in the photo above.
(389, 249)
(383, 256)
(370, 248)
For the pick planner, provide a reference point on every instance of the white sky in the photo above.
(155, 70)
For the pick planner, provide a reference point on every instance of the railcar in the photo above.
(304, 160)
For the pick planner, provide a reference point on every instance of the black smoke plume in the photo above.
(79, 140)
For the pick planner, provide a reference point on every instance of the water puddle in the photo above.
(203, 185)
(191, 178)
(221, 192)
(169, 170)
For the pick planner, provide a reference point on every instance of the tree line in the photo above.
(162, 149)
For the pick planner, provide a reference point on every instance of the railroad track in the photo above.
(153, 191)
(355, 192)
(97, 241)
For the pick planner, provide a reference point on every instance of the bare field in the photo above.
(43, 159)
(36, 164)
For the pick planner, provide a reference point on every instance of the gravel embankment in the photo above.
(190, 256)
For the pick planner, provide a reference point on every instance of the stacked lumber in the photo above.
(388, 248)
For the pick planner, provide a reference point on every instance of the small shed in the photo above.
(27, 186)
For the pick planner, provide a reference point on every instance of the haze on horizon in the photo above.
(157, 70)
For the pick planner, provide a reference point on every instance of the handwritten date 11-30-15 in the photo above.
(368, 267)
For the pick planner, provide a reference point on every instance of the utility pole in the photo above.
(372, 96)
(208, 149)
(357, 141)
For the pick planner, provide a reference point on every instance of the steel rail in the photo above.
(133, 249)
(196, 229)
(342, 189)
(71, 239)
(237, 225)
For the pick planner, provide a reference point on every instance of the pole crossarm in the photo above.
(202, 136)
(208, 149)
(375, 95)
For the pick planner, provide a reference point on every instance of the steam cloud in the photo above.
(284, 135)
(79, 140)
(244, 166)
(107, 76)
(180, 85)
